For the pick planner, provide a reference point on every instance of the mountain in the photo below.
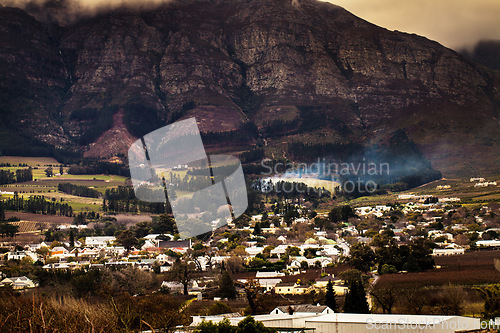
(252, 72)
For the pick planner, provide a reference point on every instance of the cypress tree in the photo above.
(2, 211)
(226, 286)
(331, 296)
(355, 299)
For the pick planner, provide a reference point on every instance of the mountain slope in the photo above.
(300, 70)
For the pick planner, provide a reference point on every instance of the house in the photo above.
(312, 262)
(19, 282)
(291, 288)
(60, 252)
(19, 255)
(269, 283)
(278, 251)
(489, 243)
(450, 249)
(477, 179)
(100, 241)
(323, 281)
(262, 275)
(302, 308)
(57, 266)
(86, 252)
(153, 241)
(338, 286)
(447, 252)
(254, 250)
(149, 244)
(177, 246)
(284, 288)
(485, 184)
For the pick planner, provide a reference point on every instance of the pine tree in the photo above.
(2, 211)
(355, 299)
(226, 286)
(331, 296)
(71, 238)
(257, 230)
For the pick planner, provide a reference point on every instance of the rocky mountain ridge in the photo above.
(299, 70)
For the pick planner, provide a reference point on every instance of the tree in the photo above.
(361, 257)
(330, 296)
(419, 258)
(71, 238)
(61, 170)
(386, 297)
(2, 211)
(292, 251)
(257, 230)
(355, 299)
(8, 230)
(164, 224)
(491, 297)
(127, 239)
(226, 286)
(249, 325)
(343, 213)
(49, 172)
(182, 271)
(252, 292)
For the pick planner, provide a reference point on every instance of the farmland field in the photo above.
(32, 161)
(47, 186)
(473, 268)
(40, 218)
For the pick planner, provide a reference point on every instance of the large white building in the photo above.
(323, 322)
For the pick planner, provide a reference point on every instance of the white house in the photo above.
(477, 179)
(19, 282)
(100, 241)
(451, 249)
(19, 255)
(488, 243)
(254, 250)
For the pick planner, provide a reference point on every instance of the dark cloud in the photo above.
(453, 23)
(67, 11)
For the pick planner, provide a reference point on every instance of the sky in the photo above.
(453, 23)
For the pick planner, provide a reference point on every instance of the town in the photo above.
(288, 262)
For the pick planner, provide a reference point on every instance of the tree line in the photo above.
(93, 166)
(37, 205)
(79, 190)
(20, 176)
(122, 199)
(6, 229)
